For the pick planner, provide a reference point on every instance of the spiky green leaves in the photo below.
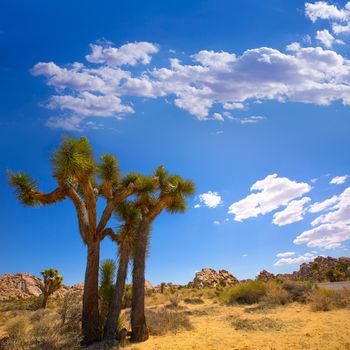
(74, 160)
(24, 186)
(108, 169)
(52, 280)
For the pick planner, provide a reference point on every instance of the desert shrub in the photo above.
(40, 331)
(262, 324)
(275, 296)
(15, 304)
(164, 321)
(17, 329)
(244, 293)
(70, 311)
(326, 299)
(297, 291)
(175, 299)
(193, 301)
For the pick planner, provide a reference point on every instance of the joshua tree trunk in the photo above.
(139, 329)
(91, 317)
(44, 302)
(116, 304)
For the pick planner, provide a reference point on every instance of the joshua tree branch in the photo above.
(112, 204)
(81, 210)
(110, 233)
(59, 194)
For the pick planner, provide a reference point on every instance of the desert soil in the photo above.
(301, 328)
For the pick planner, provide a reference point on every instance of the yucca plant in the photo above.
(170, 194)
(83, 180)
(106, 288)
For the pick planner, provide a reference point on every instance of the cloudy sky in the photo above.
(250, 99)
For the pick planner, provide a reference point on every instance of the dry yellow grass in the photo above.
(302, 329)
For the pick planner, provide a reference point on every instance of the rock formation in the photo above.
(211, 278)
(265, 276)
(25, 285)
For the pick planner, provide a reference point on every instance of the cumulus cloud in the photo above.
(128, 54)
(294, 212)
(338, 17)
(326, 38)
(323, 10)
(330, 229)
(210, 199)
(339, 180)
(216, 222)
(320, 206)
(102, 85)
(295, 261)
(285, 254)
(268, 195)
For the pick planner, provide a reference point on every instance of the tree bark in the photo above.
(139, 329)
(115, 307)
(44, 302)
(91, 317)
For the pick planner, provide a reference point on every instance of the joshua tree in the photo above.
(83, 180)
(171, 195)
(107, 273)
(52, 282)
(130, 214)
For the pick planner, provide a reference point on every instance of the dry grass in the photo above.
(192, 325)
(325, 299)
(263, 324)
(164, 321)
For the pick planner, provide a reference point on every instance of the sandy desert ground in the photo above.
(293, 327)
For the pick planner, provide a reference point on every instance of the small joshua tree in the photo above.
(52, 282)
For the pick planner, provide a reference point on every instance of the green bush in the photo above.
(244, 293)
(297, 291)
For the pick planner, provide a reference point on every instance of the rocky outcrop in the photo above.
(25, 285)
(265, 276)
(211, 278)
(148, 285)
(324, 269)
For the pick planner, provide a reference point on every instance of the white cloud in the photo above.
(333, 227)
(250, 120)
(322, 10)
(339, 19)
(218, 117)
(128, 54)
(325, 37)
(272, 193)
(216, 222)
(210, 199)
(197, 206)
(295, 261)
(320, 206)
(339, 180)
(294, 212)
(285, 254)
(101, 88)
(314, 180)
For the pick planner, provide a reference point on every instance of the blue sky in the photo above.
(249, 99)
